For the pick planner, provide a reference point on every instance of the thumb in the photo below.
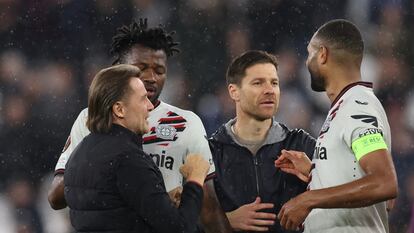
(289, 155)
(257, 201)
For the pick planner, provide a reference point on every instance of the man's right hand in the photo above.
(247, 217)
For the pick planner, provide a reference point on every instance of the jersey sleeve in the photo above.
(77, 133)
(197, 142)
(364, 129)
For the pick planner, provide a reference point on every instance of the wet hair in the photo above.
(155, 38)
(237, 68)
(340, 34)
(109, 86)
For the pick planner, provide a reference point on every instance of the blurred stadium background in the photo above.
(50, 50)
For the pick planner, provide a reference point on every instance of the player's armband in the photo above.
(367, 144)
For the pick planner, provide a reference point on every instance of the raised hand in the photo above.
(296, 163)
(195, 168)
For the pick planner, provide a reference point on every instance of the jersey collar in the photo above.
(157, 104)
(365, 84)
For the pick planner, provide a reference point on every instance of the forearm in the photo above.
(359, 193)
(171, 219)
(56, 195)
(212, 215)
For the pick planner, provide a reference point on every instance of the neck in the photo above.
(250, 129)
(155, 103)
(338, 79)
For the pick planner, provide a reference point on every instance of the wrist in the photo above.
(311, 200)
(196, 179)
(308, 170)
(229, 216)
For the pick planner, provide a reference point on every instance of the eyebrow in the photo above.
(261, 78)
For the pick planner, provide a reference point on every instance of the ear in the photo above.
(233, 92)
(118, 110)
(323, 54)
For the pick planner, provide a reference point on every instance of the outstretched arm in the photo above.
(379, 184)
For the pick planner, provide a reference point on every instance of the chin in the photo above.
(263, 117)
(318, 88)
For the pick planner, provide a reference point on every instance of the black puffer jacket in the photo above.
(242, 176)
(112, 186)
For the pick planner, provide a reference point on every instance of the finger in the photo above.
(177, 195)
(283, 220)
(281, 158)
(289, 225)
(288, 155)
(182, 169)
(262, 206)
(294, 152)
(281, 212)
(260, 222)
(257, 200)
(390, 204)
(256, 228)
(262, 215)
(285, 165)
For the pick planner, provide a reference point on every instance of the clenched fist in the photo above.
(195, 168)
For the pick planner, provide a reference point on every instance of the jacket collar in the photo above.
(120, 131)
(277, 133)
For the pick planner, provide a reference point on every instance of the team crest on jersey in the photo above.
(166, 130)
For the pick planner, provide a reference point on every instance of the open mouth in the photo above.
(267, 103)
(150, 90)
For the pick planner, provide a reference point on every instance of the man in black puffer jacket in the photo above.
(250, 189)
(111, 185)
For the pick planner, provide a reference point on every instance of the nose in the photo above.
(149, 76)
(269, 89)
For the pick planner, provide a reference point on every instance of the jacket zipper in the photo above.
(256, 164)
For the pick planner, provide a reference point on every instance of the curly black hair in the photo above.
(138, 33)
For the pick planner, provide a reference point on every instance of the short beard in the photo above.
(317, 83)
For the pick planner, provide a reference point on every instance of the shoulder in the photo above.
(82, 117)
(84, 112)
(300, 135)
(299, 139)
(362, 106)
(360, 99)
(188, 116)
(179, 111)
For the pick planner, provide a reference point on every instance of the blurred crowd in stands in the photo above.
(51, 49)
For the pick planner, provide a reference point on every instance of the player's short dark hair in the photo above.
(108, 86)
(341, 34)
(237, 68)
(155, 38)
